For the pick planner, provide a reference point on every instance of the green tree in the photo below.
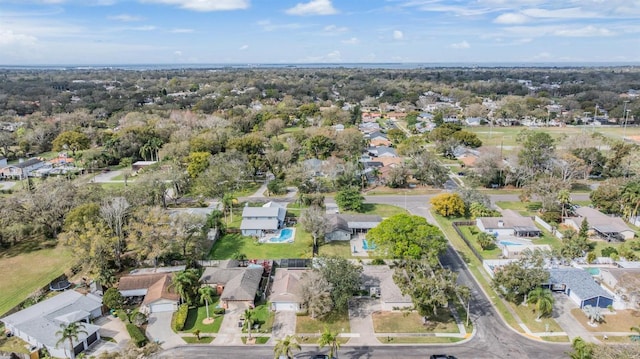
(428, 170)
(517, 279)
(584, 229)
(407, 236)
(594, 314)
(186, 283)
(564, 199)
(249, 320)
(486, 240)
(315, 294)
(112, 299)
(197, 163)
(537, 150)
(581, 349)
(319, 146)
(314, 221)
(344, 278)
(286, 346)
(608, 251)
(467, 138)
(350, 199)
(70, 332)
(477, 210)
(276, 187)
(607, 197)
(543, 300)
(71, 140)
(330, 339)
(206, 293)
(448, 204)
(631, 199)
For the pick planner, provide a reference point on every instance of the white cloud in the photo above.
(267, 25)
(314, 7)
(243, 47)
(334, 30)
(568, 13)
(205, 5)
(542, 56)
(460, 45)
(181, 31)
(398, 35)
(177, 53)
(141, 28)
(351, 41)
(587, 31)
(334, 56)
(8, 37)
(511, 19)
(125, 18)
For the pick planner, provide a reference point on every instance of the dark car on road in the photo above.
(442, 356)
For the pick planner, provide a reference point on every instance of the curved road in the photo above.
(493, 339)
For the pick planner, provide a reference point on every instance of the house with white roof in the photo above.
(510, 224)
(257, 221)
(38, 324)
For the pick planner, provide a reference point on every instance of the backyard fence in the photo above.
(548, 227)
(465, 239)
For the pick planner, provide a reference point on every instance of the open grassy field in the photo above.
(26, 269)
(382, 210)
(392, 322)
(229, 244)
(337, 322)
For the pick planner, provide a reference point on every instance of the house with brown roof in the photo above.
(600, 224)
(159, 295)
(285, 290)
(234, 285)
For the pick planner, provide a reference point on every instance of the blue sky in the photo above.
(38, 32)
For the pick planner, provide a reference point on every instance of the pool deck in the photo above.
(267, 239)
(356, 243)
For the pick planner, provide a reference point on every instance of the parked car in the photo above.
(322, 356)
(442, 356)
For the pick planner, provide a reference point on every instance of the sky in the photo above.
(64, 32)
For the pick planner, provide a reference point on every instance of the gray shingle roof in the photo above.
(600, 221)
(260, 212)
(269, 224)
(382, 277)
(579, 281)
(239, 283)
(510, 219)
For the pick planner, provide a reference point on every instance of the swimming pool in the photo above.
(285, 235)
(593, 271)
(368, 246)
(507, 243)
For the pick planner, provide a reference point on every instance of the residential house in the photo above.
(313, 166)
(579, 285)
(159, 295)
(39, 323)
(510, 224)
(343, 226)
(62, 160)
(382, 151)
(625, 282)
(600, 224)
(23, 169)
(473, 121)
(378, 281)
(517, 250)
(285, 290)
(258, 221)
(3, 162)
(138, 165)
(236, 286)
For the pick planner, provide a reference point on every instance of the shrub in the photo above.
(120, 313)
(180, 317)
(608, 251)
(137, 336)
(551, 216)
(218, 311)
(378, 262)
(113, 299)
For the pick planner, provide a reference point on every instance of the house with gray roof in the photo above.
(510, 224)
(579, 285)
(378, 281)
(234, 285)
(258, 221)
(343, 226)
(600, 224)
(38, 324)
(22, 169)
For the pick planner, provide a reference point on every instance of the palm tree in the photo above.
(206, 296)
(631, 199)
(581, 349)
(286, 346)
(186, 283)
(227, 204)
(594, 314)
(635, 329)
(249, 320)
(564, 198)
(331, 339)
(70, 332)
(543, 300)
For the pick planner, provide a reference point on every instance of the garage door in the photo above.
(163, 307)
(286, 306)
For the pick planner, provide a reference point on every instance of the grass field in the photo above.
(27, 268)
(529, 318)
(337, 322)
(229, 244)
(195, 317)
(417, 340)
(621, 321)
(392, 322)
(194, 340)
(382, 210)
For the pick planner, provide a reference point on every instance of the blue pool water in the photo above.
(593, 271)
(367, 246)
(507, 243)
(284, 236)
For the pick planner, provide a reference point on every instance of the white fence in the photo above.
(548, 227)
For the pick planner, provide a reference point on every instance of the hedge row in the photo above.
(180, 317)
(137, 336)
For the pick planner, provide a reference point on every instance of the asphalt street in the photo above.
(493, 338)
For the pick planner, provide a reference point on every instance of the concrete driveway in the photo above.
(284, 324)
(361, 321)
(230, 333)
(159, 330)
(562, 314)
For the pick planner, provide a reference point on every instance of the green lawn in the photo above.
(529, 319)
(398, 322)
(197, 315)
(556, 339)
(258, 339)
(194, 340)
(471, 233)
(13, 344)
(229, 244)
(28, 267)
(382, 210)
(248, 189)
(337, 322)
(264, 317)
(601, 244)
(340, 249)
(524, 208)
